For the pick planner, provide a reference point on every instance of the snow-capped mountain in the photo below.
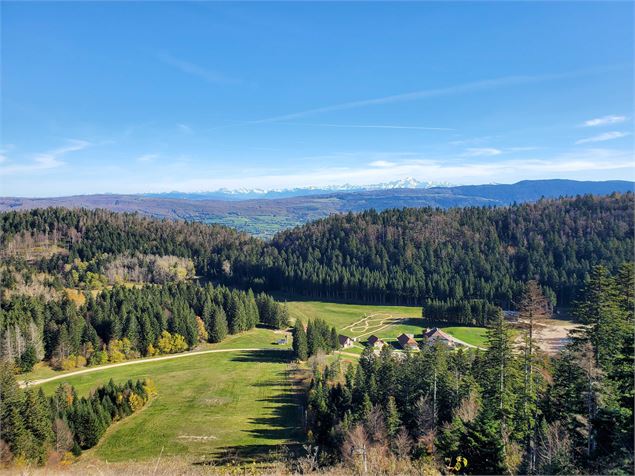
(250, 193)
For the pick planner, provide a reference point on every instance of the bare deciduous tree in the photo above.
(375, 424)
(63, 436)
(402, 444)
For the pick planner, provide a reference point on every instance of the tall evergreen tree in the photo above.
(300, 344)
(218, 324)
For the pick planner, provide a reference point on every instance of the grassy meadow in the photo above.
(235, 405)
(386, 322)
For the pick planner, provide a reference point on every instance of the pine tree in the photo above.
(392, 417)
(219, 328)
(300, 345)
(312, 338)
(500, 385)
(132, 331)
(37, 421)
(14, 430)
(334, 342)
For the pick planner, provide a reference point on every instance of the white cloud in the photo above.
(603, 121)
(482, 152)
(45, 160)
(590, 164)
(603, 137)
(382, 163)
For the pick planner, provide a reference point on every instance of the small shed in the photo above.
(376, 342)
(345, 341)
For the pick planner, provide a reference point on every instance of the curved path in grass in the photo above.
(139, 361)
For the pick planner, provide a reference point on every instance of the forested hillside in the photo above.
(264, 214)
(407, 256)
(86, 234)
(507, 410)
(88, 287)
(412, 255)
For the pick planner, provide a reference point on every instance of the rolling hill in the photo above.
(265, 216)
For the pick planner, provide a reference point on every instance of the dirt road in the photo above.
(136, 362)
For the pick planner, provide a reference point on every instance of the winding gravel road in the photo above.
(136, 362)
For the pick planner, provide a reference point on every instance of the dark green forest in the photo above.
(123, 323)
(407, 256)
(34, 425)
(506, 410)
(410, 256)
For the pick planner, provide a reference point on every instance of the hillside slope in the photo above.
(264, 217)
(411, 255)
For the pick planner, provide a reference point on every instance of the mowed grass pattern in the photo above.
(343, 316)
(208, 406)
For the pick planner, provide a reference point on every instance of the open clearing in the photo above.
(386, 322)
(210, 407)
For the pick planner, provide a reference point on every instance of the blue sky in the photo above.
(139, 97)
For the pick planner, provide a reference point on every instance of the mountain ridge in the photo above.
(266, 216)
(264, 193)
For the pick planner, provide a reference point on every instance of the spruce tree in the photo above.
(392, 417)
(37, 421)
(218, 322)
(300, 345)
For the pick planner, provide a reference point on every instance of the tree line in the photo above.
(317, 337)
(34, 426)
(508, 410)
(123, 323)
(406, 256)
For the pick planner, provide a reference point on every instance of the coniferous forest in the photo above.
(84, 288)
(506, 410)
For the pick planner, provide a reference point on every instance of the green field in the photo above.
(386, 322)
(255, 338)
(471, 335)
(209, 407)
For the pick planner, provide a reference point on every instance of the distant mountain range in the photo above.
(252, 193)
(267, 214)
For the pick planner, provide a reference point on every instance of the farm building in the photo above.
(407, 342)
(345, 341)
(434, 335)
(376, 342)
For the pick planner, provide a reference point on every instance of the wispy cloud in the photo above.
(371, 126)
(603, 121)
(482, 152)
(603, 137)
(193, 69)
(147, 157)
(185, 128)
(45, 160)
(427, 93)
(382, 163)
